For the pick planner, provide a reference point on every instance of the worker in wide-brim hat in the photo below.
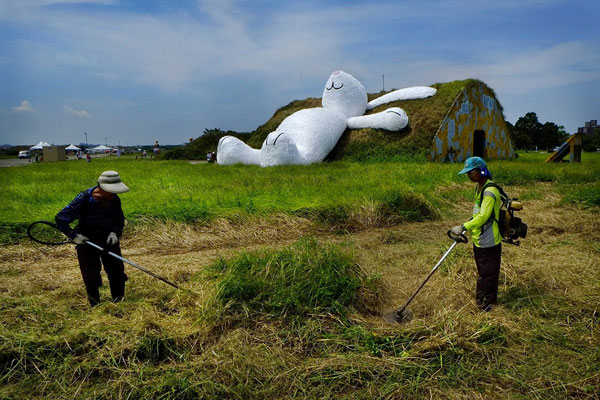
(485, 231)
(101, 220)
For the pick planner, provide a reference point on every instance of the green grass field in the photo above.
(285, 273)
(180, 191)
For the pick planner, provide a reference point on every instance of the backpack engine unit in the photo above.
(511, 228)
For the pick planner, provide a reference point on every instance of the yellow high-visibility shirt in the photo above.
(483, 226)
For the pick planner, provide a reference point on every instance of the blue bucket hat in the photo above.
(472, 163)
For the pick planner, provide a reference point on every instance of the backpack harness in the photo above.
(510, 227)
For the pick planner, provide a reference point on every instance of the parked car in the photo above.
(25, 154)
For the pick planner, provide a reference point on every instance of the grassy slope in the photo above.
(358, 145)
(376, 144)
(425, 117)
(211, 341)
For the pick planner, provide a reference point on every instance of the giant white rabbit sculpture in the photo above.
(307, 136)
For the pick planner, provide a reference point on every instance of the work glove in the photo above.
(112, 239)
(80, 239)
(457, 230)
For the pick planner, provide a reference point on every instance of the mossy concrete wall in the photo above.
(475, 108)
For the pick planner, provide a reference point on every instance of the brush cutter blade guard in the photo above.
(398, 316)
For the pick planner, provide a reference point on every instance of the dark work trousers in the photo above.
(89, 263)
(488, 268)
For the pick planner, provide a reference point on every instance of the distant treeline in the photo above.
(529, 133)
(12, 150)
(197, 149)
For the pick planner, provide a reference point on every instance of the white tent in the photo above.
(39, 146)
(72, 147)
(101, 148)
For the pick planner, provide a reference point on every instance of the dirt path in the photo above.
(13, 162)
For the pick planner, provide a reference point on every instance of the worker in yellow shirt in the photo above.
(485, 231)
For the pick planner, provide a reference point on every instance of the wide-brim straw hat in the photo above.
(110, 181)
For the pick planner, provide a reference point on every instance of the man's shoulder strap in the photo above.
(503, 194)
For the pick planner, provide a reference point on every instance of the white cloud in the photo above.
(78, 113)
(176, 51)
(513, 72)
(240, 50)
(25, 106)
(171, 52)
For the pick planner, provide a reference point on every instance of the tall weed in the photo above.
(297, 280)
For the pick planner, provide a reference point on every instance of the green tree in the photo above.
(525, 130)
(529, 132)
(551, 135)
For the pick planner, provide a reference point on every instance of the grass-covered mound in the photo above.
(415, 141)
(425, 117)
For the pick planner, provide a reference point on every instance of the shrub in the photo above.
(197, 149)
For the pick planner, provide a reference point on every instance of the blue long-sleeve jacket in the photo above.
(95, 218)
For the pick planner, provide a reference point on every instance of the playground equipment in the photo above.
(571, 146)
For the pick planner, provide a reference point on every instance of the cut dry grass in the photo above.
(157, 236)
(540, 342)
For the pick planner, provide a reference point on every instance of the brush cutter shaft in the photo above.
(459, 239)
(429, 276)
(444, 256)
(132, 264)
(47, 233)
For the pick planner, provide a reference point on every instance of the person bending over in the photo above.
(101, 221)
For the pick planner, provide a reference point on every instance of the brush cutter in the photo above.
(47, 233)
(403, 314)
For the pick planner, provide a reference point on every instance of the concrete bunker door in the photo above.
(478, 143)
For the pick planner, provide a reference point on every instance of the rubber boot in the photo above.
(93, 295)
(117, 289)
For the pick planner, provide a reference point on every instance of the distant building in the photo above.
(590, 127)
(54, 153)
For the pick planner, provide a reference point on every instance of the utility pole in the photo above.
(105, 141)
(383, 82)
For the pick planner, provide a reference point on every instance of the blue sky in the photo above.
(138, 71)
